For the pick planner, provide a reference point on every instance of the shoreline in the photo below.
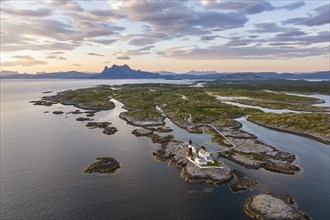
(319, 139)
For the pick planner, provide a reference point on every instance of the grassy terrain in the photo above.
(202, 107)
(97, 97)
(313, 124)
(281, 105)
(298, 86)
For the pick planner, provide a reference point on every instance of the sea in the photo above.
(43, 157)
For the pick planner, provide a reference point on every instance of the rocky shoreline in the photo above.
(175, 155)
(273, 206)
(243, 182)
(102, 165)
(300, 133)
(137, 122)
(64, 99)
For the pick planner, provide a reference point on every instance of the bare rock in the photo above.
(141, 132)
(243, 182)
(273, 206)
(103, 165)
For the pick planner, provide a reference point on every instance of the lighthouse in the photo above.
(189, 152)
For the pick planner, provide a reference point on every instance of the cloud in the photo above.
(145, 48)
(41, 12)
(103, 41)
(301, 38)
(25, 60)
(55, 57)
(293, 5)
(249, 6)
(51, 57)
(271, 27)
(208, 37)
(251, 52)
(65, 5)
(240, 42)
(292, 34)
(57, 52)
(146, 39)
(95, 54)
(318, 16)
(122, 57)
(176, 19)
(21, 46)
(126, 54)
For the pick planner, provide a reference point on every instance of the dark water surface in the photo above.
(43, 155)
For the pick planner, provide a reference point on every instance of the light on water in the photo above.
(43, 156)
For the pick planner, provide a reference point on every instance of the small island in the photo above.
(105, 165)
(141, 132)
(193, 170)
(243, 182)
(273, 206)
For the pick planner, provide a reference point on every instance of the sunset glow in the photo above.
(179, 36)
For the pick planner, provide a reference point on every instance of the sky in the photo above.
(155, 35)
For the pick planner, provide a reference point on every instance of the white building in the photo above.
(205, 155)
(194, 149)
(200, 161)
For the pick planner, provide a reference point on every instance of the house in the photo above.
(194, 149)
(200, 161)
(205, 155)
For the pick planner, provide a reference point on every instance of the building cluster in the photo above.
(200, 157)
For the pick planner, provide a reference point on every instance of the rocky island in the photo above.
(103, 165)
(273, 206)
(175, 154)
(148, 105)
(243, 182)
(314, 125)
(141, 132)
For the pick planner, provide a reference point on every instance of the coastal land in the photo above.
(199, 110)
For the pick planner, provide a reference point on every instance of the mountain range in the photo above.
(125, 72)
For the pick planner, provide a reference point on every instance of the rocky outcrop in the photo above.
(273, 206)
(243, 182)
(315, 136)
(141, 132)
(254, 154)
(192, 174)
(103, 165)
(176, 155)
(160, 129)
(139, 122)
(110, 130)
(155, 138)
(103, 125)
(58, 112)
(93, 125)
(83, 119)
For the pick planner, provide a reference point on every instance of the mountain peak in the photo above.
(118, 67)
(125, 72)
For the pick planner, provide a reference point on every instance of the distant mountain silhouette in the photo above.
(125, 72)
(53, 75)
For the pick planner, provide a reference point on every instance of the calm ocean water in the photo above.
(43, 155)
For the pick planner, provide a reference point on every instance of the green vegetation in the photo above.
(282, 105)
(214, 163)
(104, 165)
(91, 98)
(200, 105)
(217, 138)
(155, 138)
(299, 86)
(316, 125)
